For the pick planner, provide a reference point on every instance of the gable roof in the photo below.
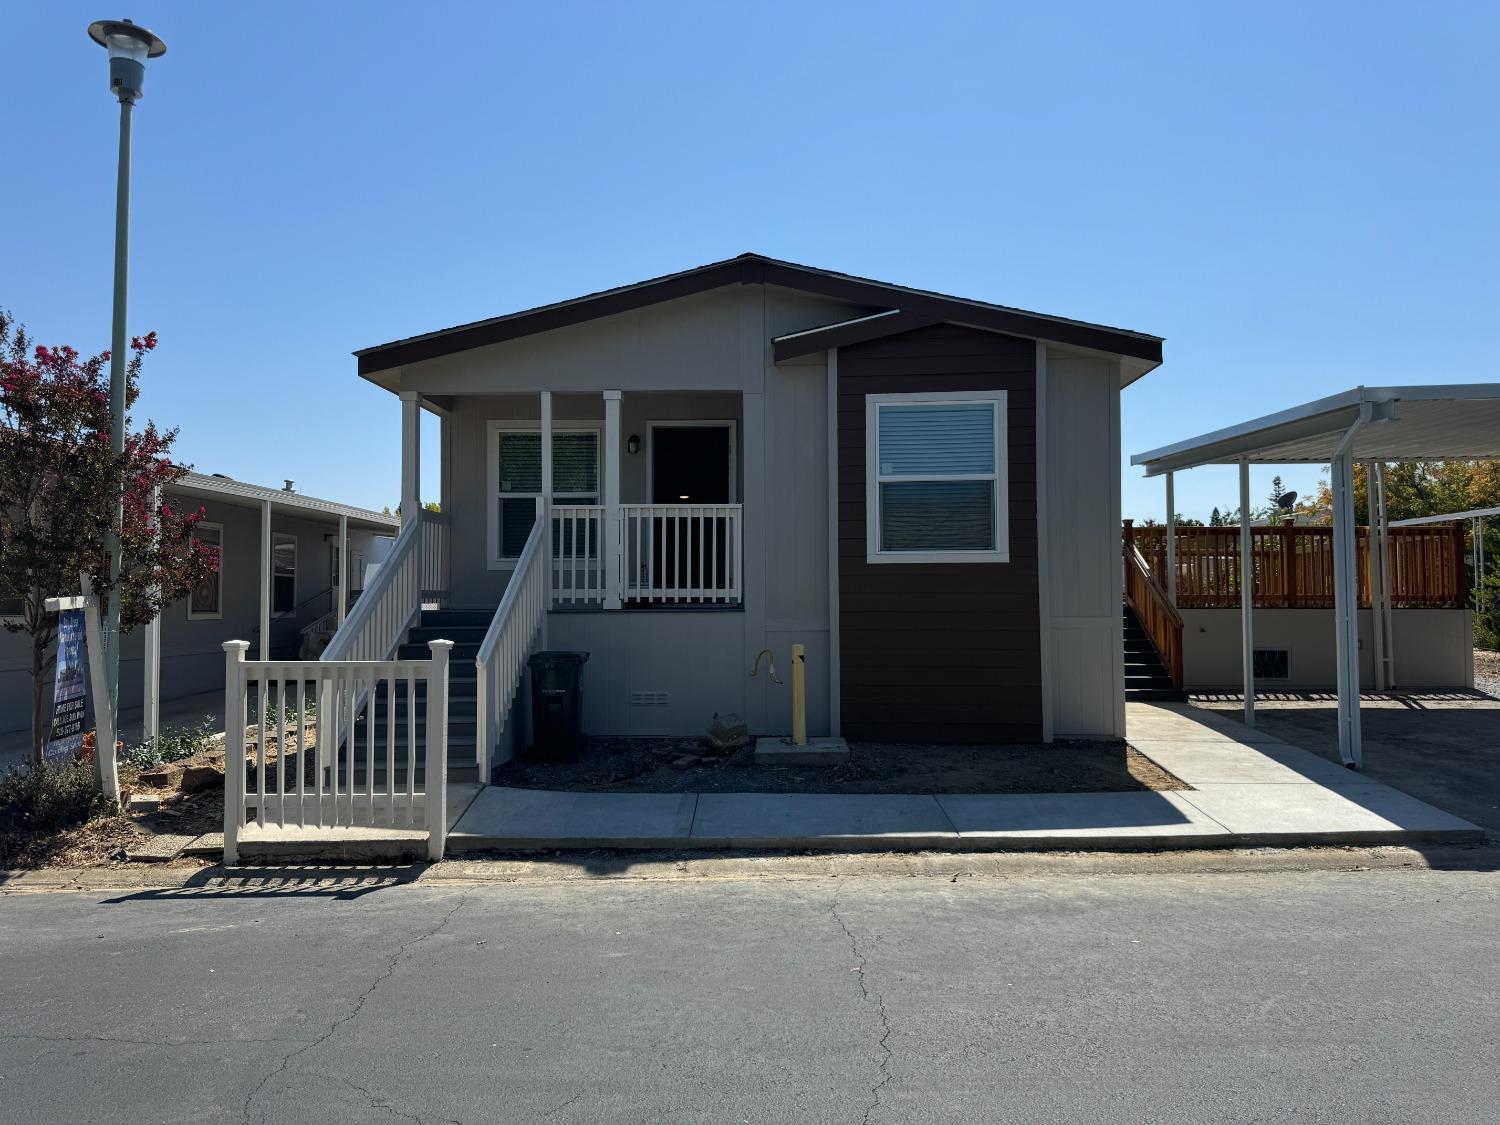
(751, 269)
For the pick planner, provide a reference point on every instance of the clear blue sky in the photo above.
(1299, 197)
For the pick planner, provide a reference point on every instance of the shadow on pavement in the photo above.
(332, 881)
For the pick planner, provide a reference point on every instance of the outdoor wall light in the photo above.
(633, 443)
(129, 47)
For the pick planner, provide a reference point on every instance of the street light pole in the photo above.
(129, 46)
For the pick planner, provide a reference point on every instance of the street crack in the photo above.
(386, 973)
(875, 1000)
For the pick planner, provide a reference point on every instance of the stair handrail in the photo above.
(386, 606)
(507, 642)
(1158, 617)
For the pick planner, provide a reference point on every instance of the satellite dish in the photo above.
(1286, 500)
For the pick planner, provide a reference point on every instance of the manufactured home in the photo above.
(280, 583)
(679, 475)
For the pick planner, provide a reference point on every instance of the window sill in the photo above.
(925, 558)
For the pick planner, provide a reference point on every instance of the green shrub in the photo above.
(172, 746)
(44, 798)
(1487, 615)
(273, 714)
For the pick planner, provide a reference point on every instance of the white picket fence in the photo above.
(519, 620)
(579, 558)
(317, 785)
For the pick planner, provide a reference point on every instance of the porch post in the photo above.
(1171, 541)
(610, 553)
(343, 590)
(1247, 590)
(265, 580)
(546, 512)
(411, 456)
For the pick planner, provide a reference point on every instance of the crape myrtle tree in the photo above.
(59, 478)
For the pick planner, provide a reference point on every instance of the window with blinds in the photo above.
(935, 477)
(518, 460)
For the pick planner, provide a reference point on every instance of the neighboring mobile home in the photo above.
(279, 584)
(923, 490)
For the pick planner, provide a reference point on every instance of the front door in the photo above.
(691, 467)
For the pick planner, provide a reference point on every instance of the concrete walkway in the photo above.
(1248, 789)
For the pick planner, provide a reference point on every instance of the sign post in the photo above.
(83, 610)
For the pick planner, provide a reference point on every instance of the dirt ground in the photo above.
(109, 840)
(1487, 671)
(666, 765)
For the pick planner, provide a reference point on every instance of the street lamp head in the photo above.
(129, 47)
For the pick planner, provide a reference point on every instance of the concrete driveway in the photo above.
(1441, 748)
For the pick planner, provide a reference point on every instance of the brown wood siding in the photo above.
(945, 652)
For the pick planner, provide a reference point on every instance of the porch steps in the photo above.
(466, 628)
(1146, 677)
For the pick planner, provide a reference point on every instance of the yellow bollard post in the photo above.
(799, 696)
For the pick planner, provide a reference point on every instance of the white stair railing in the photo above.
(314, 780)
(388, 606)
(513, 631)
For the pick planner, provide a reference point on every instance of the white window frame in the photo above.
(284, 537)
(218, 576)
(493, 430)
(997, 401)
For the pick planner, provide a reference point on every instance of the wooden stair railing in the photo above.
(1146, 598)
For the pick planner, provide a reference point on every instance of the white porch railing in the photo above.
(578, 555)
(682, 553)
(669, 554)
(415, 569)
(314, 780)
(518, 621)
(434, 556)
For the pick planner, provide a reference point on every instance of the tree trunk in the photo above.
(38, 696)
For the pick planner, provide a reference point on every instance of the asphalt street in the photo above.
(1317, 996)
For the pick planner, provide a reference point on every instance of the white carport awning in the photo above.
(1445, 422)
(1438, 423)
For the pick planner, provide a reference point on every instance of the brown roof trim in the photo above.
(847, 332)
(750, 269)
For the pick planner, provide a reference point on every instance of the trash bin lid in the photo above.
(557, 659)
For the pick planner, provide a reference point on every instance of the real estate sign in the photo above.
(66, 736)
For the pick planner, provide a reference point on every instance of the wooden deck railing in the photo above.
(1293, 566)
(1144, 595)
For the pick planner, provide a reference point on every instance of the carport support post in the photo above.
(1375, 546)
(1171, 541)
(265, 580)
(343, 606)
(1247, 587)
(1345, 607)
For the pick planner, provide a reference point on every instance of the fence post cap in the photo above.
(232, 646)
(434, 646)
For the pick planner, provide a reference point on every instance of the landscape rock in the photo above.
(200, 775)
(727, 733)
(165, 776)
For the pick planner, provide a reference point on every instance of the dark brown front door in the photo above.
(690, 468)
